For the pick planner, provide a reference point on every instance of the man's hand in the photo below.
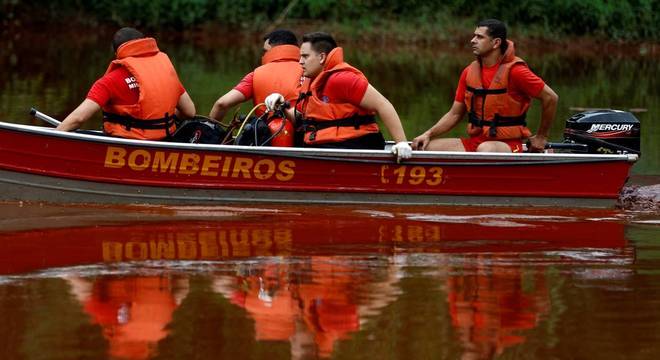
(402, 151)
(421, 142)
(537, 143)
(82, 113)
(274, 101)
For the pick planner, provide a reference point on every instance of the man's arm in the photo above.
(446, 123)
(375, 101)
(226, 102)
(549, 101)
(82, 113)
(185, 108)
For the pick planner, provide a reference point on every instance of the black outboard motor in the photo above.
(604, 131)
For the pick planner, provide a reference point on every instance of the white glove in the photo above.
(402, 151)
(274, 101)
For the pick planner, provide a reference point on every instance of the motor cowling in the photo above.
(604, 131)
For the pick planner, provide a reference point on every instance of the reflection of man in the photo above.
(279, 72)
(139, 94)
(495, 91)
(489, 307)
(133, 312)
(268, 300)
(314, 311)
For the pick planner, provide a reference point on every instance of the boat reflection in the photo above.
(315, 280)
(287, 231)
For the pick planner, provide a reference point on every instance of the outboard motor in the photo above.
(604, 131)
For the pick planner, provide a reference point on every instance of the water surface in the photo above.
(327, 282)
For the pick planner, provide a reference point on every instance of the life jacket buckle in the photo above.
(492, 132)
(475, 120)
(167, 125)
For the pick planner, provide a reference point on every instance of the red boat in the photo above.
(41, 164)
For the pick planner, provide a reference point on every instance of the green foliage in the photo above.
(624, 19)
(177, 14)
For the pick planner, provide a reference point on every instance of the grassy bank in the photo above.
(405, 21)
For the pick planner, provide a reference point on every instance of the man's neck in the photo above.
(492, 58)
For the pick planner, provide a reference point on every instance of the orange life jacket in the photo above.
(151, 118)
(280, 72)
(494, 111)
(326, 122)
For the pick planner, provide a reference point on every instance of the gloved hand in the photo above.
(402, 151)
(274, 101)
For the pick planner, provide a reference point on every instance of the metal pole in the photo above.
(41, 116)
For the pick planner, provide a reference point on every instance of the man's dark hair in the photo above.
(123, 35)
(496, 29)
(281, 37)
(321, 42)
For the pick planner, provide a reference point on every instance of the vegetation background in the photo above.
(411, 20)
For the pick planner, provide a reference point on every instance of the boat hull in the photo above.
(40, 164)
(36, 188)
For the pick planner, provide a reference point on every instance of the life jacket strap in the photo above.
(498, 121)
(130, 122)
(303, 95)
(354, 121)
(484, 92)
(298, 115)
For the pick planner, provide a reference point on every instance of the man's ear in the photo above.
(497, 43)
(322, 57)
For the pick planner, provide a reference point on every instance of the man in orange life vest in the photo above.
(495, 91)
(338, 104)
(139, 94)
(280, 72)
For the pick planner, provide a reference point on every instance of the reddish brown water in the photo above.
(327, 282)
